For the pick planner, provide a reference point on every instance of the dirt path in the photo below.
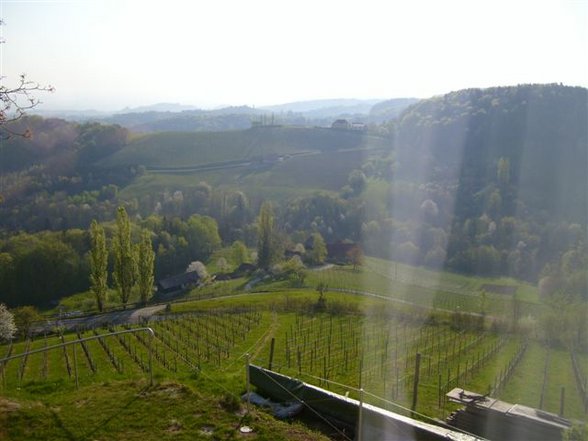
(267, 337)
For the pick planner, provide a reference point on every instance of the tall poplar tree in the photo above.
(98, 264)
(266, 237)
(145, 260)
(125, 265)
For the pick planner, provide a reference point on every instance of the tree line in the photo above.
(38, 269)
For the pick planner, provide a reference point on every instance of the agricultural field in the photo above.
(354, 342)
(213, 148)
(298, 175)
(430, 289)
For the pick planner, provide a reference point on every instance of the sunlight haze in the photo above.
(107, 55)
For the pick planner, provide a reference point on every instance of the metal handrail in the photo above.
(3, 361)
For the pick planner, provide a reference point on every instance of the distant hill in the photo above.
(326, 107)
(173, 117)
(483, 181)
(196, 120)
(372, 111)
(159, 107)
(70, 115)
(176, 118)
(389, 109)
(57, 146)
(453, 143)
(240, 117)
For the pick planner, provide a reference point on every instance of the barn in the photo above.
(179, 282)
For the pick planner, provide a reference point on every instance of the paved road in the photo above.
(323, 267)
(130, 316)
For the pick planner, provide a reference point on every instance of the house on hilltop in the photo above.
(341, 124)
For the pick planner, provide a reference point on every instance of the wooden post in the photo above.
(415, 387)
(150, 359)
(76, 366)
(359, 435)
(248, 385)
(440, 389)
(271, 356)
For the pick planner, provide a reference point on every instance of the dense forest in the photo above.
(480, 181)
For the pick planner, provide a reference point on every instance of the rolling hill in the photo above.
(540, 131)
(185, 150)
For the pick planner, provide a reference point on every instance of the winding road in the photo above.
(129, 316)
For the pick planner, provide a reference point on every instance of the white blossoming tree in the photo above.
(7, 326)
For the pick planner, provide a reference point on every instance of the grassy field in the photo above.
(194, 398)
(428, 288)
(296, 176)
(359, 341)
(175, 149)
(131, 410)
(311, 159)
(201, 345)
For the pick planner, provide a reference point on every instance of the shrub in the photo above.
(230, 403)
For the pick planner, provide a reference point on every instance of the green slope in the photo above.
(173, 149)
(295, 176)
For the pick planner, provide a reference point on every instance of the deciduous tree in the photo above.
(239, 253)
(202, 236)
(125, 265)
(319, 249)
(267, 245)
(145, 263)
(356, 257)
(200, 269)
(24, 317)
(7, 326)
(98, 264)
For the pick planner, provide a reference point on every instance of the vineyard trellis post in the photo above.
(415, 387)
(360, 417)
(248, 382)
(75, 353)
(98, 337)
(151, 337)
(271, 355)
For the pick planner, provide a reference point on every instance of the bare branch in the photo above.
(16, 101)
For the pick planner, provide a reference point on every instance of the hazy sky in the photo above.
(108, 54)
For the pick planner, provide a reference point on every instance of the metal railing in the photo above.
(5, 360)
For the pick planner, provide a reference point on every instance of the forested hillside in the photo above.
(538, 131)
(488, 182)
